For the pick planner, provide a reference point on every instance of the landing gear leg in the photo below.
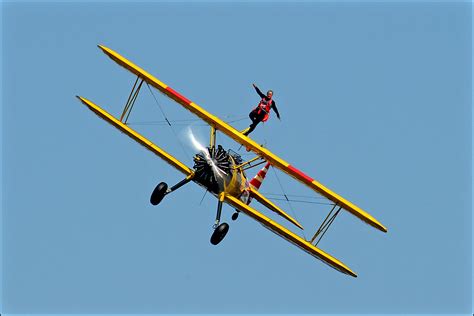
(219, 211)
(162, 189)
(219, 230)
(179, 184)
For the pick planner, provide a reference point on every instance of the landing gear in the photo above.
(159, 193)
(219, 233)
(219, 230)
(162, 189)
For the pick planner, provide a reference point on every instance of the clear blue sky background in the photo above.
(375, 100)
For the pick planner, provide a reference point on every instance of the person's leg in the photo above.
(256, 118)
(253, 117)
(251, 127)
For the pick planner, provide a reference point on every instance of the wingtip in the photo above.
(349, 272)
(346, 270)
(382, 228)
(81, 99)
(376, 224)
(102, 48)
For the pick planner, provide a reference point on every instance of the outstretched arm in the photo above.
(258, 91)
(274, 107)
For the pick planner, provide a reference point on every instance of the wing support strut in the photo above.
(131, 100)
(212, 141)
(325, 225)
(249, 163)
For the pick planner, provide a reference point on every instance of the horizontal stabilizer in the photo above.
(269, 204)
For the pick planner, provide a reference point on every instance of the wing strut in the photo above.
(325, 225)
(131, 100)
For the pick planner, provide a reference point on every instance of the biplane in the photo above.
(222, 172)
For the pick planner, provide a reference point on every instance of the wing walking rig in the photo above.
(223, 172)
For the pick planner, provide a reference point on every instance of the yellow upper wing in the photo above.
(244, 140)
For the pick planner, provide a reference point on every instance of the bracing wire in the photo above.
(203, 196)
(183, 122)
(318, 197)
(300, 201)
(168, 122)
(286, 198)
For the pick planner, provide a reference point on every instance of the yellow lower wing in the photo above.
(137, 137)
(289, 236)
(237, 136)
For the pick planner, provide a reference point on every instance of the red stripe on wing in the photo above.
(178, 96)
(301, 174)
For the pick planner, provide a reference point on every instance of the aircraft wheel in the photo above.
(235, 216)
(159, 193)
(219, 233)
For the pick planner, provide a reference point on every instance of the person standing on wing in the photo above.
(262, 111)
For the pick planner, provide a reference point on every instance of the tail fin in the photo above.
(256, 182)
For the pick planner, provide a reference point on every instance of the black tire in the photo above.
(159, 193)
(219, 233)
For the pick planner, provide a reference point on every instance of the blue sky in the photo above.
(375, 100)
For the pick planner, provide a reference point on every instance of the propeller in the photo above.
(211, 165)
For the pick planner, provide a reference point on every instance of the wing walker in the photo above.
(222, 172)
